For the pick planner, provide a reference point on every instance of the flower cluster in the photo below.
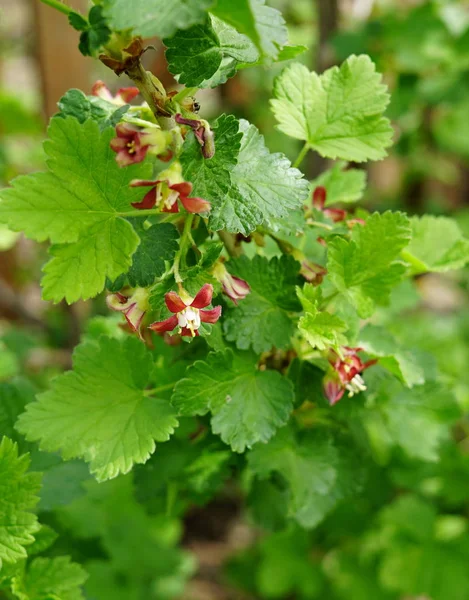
(345, 374)
(165, 192)
(187, 312)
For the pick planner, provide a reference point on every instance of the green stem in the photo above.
(184, 93)
(184, 244)
(66, 10)
(138, 213)
(301, 155)
(157, 390)
(319, 224)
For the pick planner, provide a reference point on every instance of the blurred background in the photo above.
(422, 48)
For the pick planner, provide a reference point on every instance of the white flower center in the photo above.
(355, 386)
(190, 318)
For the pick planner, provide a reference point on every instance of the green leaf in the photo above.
(18, 496)
(79, 202)
(323, 330)
(405, 364)
(318, 476)
(437, 245)
(75, 103)
(247, 405)
(244, 182)
(96, 34)
(268, 187)
(80, 270)
(341, 185)
(339, 113)
(264, 25)
(78, 22)
(418, 419)
(100, 411)
(261, 320)
(158, 243)
(365, 268)
(207, 55)
(155, 18)
(51, 579)
(13, 398)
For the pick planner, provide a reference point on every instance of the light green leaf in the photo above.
(247, 405)
(418, 419)
(207, 55)
(79, 270)
(51, 578)
(323, 330)
(264, 25)
(80, 202)
(261, 319)
(155, 18)
(100, 411)
(341, 185)
(244, 182)
(339, 113)
(405, 364)
(366, 268)
(18, 496)
(437, 245)
(75, 103)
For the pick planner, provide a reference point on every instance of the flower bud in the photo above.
(133, 303)
(234, 287)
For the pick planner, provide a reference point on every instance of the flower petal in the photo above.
(167, 325)
(143, 183)
(185, 331)
(118, 144)
(210, 316)
(126, 130)
(128, 93)
(195, 205)
(148, 201)
(174, 303)
(203, 297)
(184, 188)
(319, 197)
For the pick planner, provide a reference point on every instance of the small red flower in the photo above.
(167, 190)
(133, 303)
(319, 201)
(133, 143)
(130, 144)
(234, 287)
(345, 374)
(187, 313)
(202, 132)
(123, 96)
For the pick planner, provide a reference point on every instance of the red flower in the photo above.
(345, 374)
(133, 143)
(133, 304)
(319, 200)
(167, 190)
(187, 313)
(123, 96)
(234, 287)
(202, 132)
